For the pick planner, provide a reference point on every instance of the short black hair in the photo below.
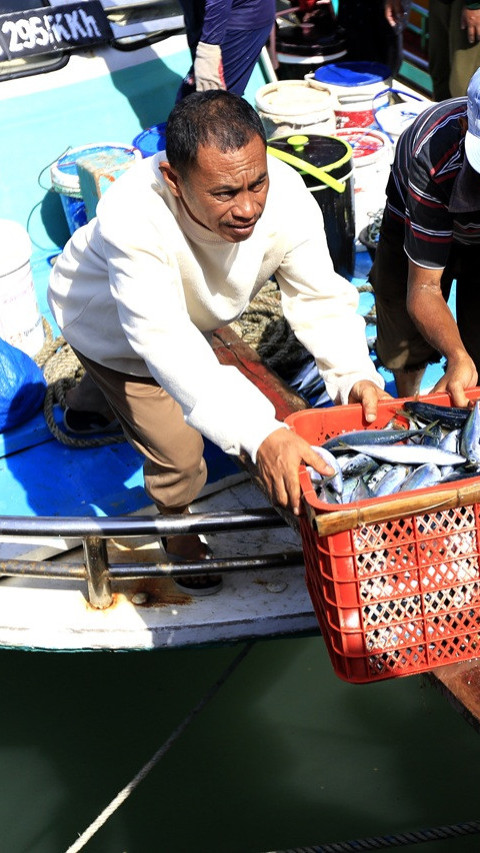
(214, 117)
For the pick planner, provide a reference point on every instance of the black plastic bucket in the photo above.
(335, 157)
(304, 41)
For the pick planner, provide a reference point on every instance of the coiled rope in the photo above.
(102, 818)
(265, 329)
(62, 370)
(380, 842)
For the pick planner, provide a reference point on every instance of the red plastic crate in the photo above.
(398, 591)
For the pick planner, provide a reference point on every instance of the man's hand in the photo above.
(368, 394)
(208, 67)
(460, 374)
(470, 21)
(278, 460)
(394, 11)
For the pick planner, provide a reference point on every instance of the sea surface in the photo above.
(284, 755)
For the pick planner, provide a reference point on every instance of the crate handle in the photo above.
(329, 523)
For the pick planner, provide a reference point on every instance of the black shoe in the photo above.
(88, 423)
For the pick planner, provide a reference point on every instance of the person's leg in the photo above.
(153, 423)
(87, 410)
(439, 26)
(464, 57)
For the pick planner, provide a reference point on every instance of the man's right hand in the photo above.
(278, 460)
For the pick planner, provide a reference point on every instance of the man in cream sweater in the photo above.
(178, 249)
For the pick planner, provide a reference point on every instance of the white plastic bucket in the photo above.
(294, 106)
(65, 180)
(372, 158)
(355, 85)
(20, 320)
(393, 119)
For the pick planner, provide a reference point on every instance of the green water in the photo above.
(285, 755)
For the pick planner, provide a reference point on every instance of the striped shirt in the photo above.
(423, 190)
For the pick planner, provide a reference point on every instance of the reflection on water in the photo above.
(285, 755)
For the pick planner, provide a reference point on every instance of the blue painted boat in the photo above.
(109, 92)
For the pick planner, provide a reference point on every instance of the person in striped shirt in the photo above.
(430, 236)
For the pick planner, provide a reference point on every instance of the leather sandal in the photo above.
(195, 585)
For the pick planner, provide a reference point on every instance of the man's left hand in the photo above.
(368, 394)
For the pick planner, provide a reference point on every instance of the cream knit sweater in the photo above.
(139, 288)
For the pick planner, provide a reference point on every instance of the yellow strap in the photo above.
(315, 171)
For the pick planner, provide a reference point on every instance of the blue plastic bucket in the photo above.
(152, 140)
(65, 180)
(355, 85)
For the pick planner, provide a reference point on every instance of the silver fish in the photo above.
(372, 436)
(421, 477)
(361, 491)
(433, 436)
(349, 486)
(470, 438)
(325, 494)
(451, 441)
(409, 454)
(356, 465)
(378, 475)
(391, 481)
(336, 481)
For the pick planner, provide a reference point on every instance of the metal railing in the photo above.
(94, 533)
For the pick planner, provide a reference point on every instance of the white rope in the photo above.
(115, 804)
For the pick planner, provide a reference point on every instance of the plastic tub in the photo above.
(20, 320)
(65, 180)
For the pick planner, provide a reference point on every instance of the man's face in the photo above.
(225, 192)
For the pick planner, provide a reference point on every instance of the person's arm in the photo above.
(393, 11)
(434, 320)
(208, 64)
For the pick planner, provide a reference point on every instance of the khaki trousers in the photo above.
(174, 469)
(452, 59)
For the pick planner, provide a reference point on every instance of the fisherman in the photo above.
(177, 249)
(430, 235)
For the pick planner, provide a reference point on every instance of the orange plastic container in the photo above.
(394, 581)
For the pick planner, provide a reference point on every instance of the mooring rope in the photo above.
(115, 804)
(380, 842)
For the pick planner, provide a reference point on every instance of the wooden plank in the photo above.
(458, 682)
(230, 349)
